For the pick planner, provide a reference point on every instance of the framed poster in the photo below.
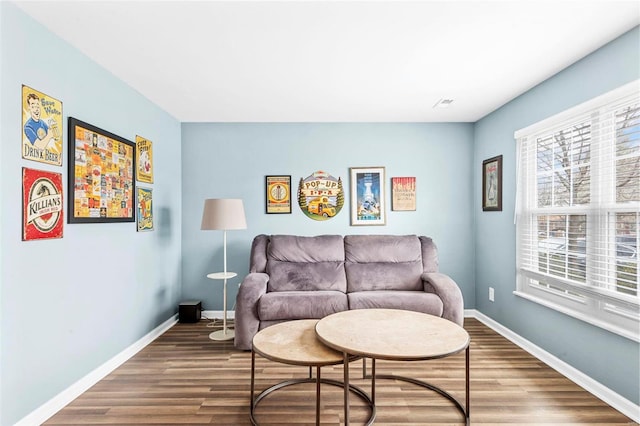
(144, 160)
(492, 184)
(367, 196)
(144, 209)
(320, 195)
(41, 127)
(278, 194)
(42, 212)
(101, 175)
(403, 193)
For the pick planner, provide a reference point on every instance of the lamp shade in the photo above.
(223, 214)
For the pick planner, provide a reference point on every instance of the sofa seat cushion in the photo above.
(292, 305)
(418, 301)
(306, 263)
(383, 262)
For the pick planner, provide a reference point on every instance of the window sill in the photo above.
(613, 328)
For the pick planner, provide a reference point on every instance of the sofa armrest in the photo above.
(449, 292)
(247, 322)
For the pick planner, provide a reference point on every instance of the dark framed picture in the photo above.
(101, 177)
(368, 196)
(492, 184)
(278, 194)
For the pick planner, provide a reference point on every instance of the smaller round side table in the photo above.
(295, 343)
(224, 334)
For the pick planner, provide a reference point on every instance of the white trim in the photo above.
(218, 315)
(617, 401)
(58, 402)
(590, 319)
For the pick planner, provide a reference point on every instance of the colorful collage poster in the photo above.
(101, 175)
(403, 193)
(41, 127)
(144, 160)
(145, 209)
(42, 214)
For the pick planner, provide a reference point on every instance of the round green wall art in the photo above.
(320, 195)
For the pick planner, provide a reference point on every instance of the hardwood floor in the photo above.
(183, 378)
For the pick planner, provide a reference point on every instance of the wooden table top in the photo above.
(296, 343)
(392, 334)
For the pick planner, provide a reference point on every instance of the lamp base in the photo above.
(222, 335)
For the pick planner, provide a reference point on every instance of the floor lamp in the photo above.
(223, 214)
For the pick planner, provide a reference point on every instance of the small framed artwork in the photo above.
(144, 210)
(144, 160)
(492, 184)
(403, 193)
(42, 210)
(101, 176)
(278, 194)
(367, 196)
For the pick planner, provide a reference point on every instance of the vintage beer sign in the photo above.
(278, 194)
(144, 160)
(41, 205)
(41, 127)
(320, 195)
(145, 209)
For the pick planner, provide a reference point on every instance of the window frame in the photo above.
(605, 308)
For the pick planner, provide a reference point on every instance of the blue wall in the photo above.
(231, 160)
(608, 358)
(68, 305)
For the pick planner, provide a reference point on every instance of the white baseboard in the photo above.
(57, 403)
(218, 314)
(617, 401)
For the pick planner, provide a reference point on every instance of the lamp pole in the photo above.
(224, 285)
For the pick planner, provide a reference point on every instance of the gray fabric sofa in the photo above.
(295, 277)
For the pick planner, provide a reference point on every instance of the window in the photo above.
(578, 211)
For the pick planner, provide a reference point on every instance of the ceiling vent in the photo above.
(443, 103)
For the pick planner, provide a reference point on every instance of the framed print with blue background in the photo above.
(368, 196)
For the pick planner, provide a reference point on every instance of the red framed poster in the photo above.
(42, 213)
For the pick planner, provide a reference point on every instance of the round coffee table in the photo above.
(295, 343)
(395, 335)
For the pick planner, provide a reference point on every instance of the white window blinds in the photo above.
(578, 211)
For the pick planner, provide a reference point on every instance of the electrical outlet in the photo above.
(491, 294)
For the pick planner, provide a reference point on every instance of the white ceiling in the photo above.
(334, 61)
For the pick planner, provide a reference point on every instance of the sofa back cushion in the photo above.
(383, 262)
(258, 256)
(429, 254)
(306, 263)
